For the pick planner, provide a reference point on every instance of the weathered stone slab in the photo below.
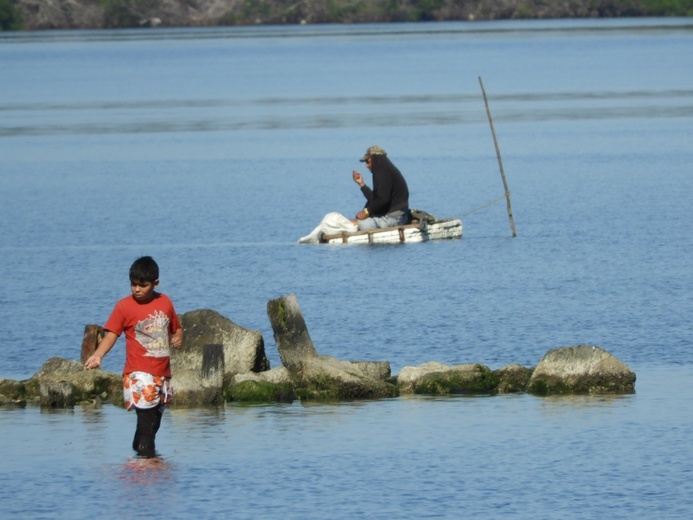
(581, 369)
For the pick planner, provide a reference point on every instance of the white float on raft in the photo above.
(415, 232)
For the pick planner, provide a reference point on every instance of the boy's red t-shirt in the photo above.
(147, 328)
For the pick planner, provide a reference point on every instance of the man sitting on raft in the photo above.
(387, 204)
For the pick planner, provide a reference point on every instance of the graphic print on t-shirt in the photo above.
(152, 334)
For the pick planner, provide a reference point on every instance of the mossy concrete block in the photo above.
(290, 333)
(583, 369)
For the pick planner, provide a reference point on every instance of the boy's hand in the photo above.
(94, 361)
(177, 339)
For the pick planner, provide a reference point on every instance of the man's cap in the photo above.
(373, 150)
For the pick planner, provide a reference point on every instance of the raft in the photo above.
(422, 231)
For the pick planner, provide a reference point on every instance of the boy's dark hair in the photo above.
(144, 269)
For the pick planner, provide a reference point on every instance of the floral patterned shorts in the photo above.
(143, 390)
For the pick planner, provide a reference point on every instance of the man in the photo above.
(387, 204)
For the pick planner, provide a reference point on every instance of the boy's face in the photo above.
(143, 292)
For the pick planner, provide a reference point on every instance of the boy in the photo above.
(150, 324)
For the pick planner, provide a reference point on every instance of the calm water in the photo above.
(214, 150)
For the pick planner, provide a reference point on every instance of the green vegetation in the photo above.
(668, 7)
(365, 11)
(10, 17)
(254, 391)
(481, 381)
(127, 13)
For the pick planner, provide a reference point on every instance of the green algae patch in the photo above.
(329, 389)
(479, 381)
(546, 386)
(260, 392)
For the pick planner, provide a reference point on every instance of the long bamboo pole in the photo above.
(500, 162)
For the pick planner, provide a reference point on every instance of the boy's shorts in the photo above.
(143, 390)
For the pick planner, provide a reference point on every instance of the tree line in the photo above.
(16, 14)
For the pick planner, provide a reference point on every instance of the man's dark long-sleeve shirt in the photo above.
(390, 192)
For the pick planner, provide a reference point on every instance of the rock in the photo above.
(12, 392)
(379, 370)
(277, 375)
(204, 385)
(243, 349)
(512, 378)
(214, 350)
(438, 379)
(59, 367)
(327, 378)
(273, 385)
(190, 389)
(64, 383)
(582, 369)
(290, 333)
(320, 377)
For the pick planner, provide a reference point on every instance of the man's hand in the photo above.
(358, 178)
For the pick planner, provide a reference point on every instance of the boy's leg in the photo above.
(148, 423)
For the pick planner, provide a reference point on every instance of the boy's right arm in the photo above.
(105, 345)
